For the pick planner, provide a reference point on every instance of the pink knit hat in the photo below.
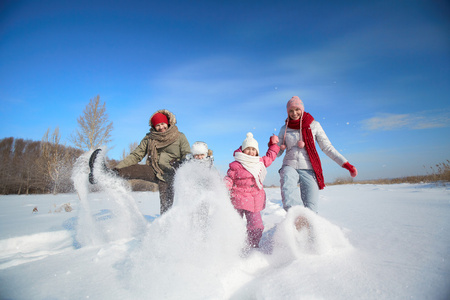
(295, 102)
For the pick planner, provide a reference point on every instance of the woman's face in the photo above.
(295, 113)
(161, 127)
(251, 151)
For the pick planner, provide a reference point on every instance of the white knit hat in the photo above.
(199, 148)
(250, 142)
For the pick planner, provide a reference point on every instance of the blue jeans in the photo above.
(309, 190)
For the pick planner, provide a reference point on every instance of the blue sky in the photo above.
(375, 75)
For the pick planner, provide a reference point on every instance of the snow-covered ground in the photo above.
(368, 242)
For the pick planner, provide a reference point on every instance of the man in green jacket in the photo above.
(164, 147)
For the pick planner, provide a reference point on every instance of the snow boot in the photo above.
(91, 165)
(301, 223)
(254, 236)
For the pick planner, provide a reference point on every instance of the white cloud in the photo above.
(420, 120)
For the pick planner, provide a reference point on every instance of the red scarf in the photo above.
(310, 146)
(294, 124)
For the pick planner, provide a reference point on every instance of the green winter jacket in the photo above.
(175, 151)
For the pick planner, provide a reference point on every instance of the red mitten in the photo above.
(352, 169)
(273, 140)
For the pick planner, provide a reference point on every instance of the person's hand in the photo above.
(351, 169)
(175, 163)
(273, 140)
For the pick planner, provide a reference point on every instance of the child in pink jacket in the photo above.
(245, 181)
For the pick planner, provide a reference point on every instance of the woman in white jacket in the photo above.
(301, 164)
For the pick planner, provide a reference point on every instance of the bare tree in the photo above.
(32, 176)
(19, 166)
(51, 160)
(6, 170)
(95, 128)
(131, 148)
(28, 166)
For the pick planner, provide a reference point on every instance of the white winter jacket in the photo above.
(298, 157)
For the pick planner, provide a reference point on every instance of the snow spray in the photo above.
(304, 233)
(123, 221)
(192, 244)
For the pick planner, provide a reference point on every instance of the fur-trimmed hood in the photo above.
(170, 116)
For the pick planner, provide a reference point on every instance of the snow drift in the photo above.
(367, 242)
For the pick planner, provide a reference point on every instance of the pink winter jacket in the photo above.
(242, 185)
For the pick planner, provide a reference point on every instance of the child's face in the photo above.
(199, 156)
(161, 127)
(251, 151)
(295, 113)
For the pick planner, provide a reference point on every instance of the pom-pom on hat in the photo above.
(250, 142)
(159, 118)
(199, 148)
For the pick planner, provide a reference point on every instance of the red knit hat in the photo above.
(159, 118)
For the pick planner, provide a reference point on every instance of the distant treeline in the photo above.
(41, 167)
(440, 173)
(30, 167)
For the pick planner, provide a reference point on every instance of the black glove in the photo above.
(175, 163)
